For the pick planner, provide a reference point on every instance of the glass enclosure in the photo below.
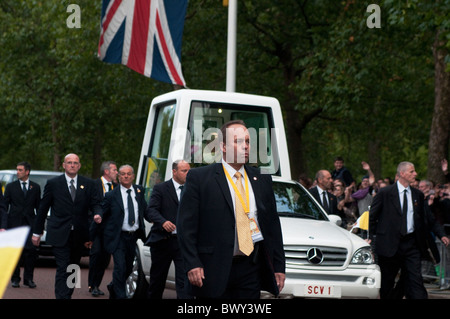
(200, 144)
(156, 160)
(294, 201)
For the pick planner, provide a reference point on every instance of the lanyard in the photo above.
(247, 194)
(103, 186)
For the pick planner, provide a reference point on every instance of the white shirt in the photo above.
(177, 188)
(27, 184)
(321, 191)
(410, 214)
(68, 179)
(125, 226)
(105, 185)
(253, 211)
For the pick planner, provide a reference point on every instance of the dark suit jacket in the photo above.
(99, 187)
(206, 228)
(385, 221)
(332, 200)
(162, 207)
(66, 213)
(113, 212)
(3, 214)
(96, 229)
(22, 208)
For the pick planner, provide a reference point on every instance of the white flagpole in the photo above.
(231, 49)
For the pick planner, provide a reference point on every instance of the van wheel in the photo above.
(136, 284)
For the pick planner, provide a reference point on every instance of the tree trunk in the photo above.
(438, 146)
(97, 153)
(55, 139)
(294, 142)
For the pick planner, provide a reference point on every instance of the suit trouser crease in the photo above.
(408, 260)
(163, 253)
(66, 255)
(123, 258)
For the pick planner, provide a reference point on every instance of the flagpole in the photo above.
(231, 46)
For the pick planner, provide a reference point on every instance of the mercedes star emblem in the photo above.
(314, 256)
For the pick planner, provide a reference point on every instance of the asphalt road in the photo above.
(44, 277)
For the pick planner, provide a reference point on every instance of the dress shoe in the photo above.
(15, 284)
(29, 283)
(97, 292)
(112, 294)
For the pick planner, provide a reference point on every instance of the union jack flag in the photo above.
(144, 35)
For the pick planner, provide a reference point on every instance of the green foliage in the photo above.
(346, 88)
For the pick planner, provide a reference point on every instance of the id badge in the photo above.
(254, 229)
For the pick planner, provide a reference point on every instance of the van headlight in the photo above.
(362, 256)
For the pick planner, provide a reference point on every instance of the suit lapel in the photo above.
(19, 188)
(395, 200)
(118, 197)
(80, 188)
(172, 191)
(65, 188)
(223, 184)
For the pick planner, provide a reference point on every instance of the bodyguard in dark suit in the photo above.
(99, 258)
(22, 199)
(3, 213)
(122, 212)
(399, 226)
(228, 255)
(162, 211)
(324, 197)
(71, 197)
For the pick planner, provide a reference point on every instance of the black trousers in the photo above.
(66, 255)
(27, 260)
(99, 260)
(163, 253)
(408, 260)
(123, 258)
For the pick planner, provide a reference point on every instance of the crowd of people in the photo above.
(406, 216)
(107, 217)
(353, 199)
(242, 238)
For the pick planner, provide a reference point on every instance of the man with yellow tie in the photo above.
(228, 228)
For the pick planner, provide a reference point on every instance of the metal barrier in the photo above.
(440, 271)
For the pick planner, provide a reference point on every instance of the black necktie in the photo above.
(109, 187)
(131, 219)
(404, 214)
(181, 191)
(24, 188)
(72, 190)
(325, 202)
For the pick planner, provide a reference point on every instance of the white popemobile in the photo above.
(323, 260)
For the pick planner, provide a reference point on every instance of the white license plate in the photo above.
(322, 291)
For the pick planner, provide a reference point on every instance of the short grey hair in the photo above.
(126, 165)
(403, 166)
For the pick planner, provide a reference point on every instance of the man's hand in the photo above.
(169, 226)
(36, 239)
(280, 278)
(444, 166)
(97, 218)
(196, 276)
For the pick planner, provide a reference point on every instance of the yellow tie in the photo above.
(242, 222)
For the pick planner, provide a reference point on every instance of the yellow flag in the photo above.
(11, 245)
(362, 222)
